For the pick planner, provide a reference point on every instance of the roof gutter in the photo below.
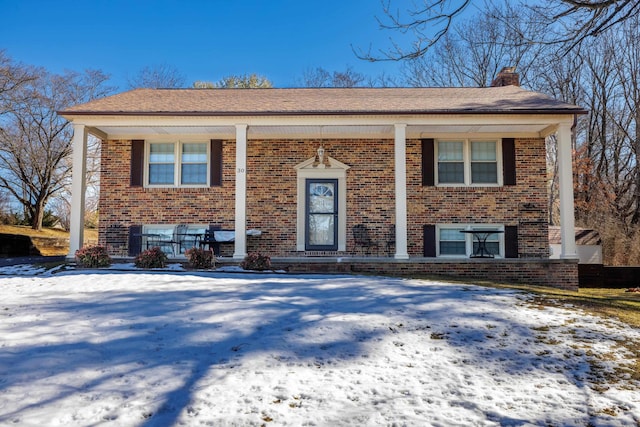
(316, 113)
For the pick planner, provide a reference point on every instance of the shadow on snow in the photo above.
(219, 321)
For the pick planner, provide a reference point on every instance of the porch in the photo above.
(244, 202)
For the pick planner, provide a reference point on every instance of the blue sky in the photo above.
(205, 40)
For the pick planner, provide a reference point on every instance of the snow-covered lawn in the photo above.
(94, 348)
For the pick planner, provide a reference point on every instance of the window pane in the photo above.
(450, 234)
(492, 243)
(484, 173)
(322, 198)
(194, 164)
(161, 164)
(452, 248)
(194, 153)
(483, 150)
(190, 237)
(193, 174)
(492, 247)
(161, 174)
(450, 172)
(161, 153)
(321, 229)
(450, 151)
(452, 242)
(159, 237)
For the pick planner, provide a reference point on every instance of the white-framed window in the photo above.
(451, 241)
(177, 164)
(458, 240)
(468, 162)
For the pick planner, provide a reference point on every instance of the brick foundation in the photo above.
(562, 274)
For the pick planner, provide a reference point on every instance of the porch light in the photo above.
(320, 161)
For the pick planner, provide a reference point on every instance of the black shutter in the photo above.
(135, 240)
(428, 172)
(429, 236)
(511, 241)
(137, 162)
(216, 163)
(509, 161)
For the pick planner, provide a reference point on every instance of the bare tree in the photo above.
(569, 22)
(35, 143)
(607, 179)
(628, 74)
(320, 77)
(427, 22)
(5, 207)
(565, 23)
(12, 77)
(243, 81)
(473, 51)
(156, 77)
(60, 204)
(560, 77)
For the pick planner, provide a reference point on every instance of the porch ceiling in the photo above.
(370, 131)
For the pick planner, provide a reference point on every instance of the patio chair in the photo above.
(210, 241)
(362, 238)
(163, 241)
(180, 237)
(170, 244)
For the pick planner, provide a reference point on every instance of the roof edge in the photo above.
(577, 110)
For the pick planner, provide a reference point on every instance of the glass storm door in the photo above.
(322, 215)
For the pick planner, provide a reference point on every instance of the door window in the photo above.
(322, 215)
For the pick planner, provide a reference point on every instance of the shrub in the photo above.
(200, 258)
(48, 219)
(256, 261)
(151, 258)
(93, 257)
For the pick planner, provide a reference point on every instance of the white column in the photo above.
(565, 175)
(400, 156)
(78, 189)
(241, 192)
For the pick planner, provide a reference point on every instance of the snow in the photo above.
(119, 347)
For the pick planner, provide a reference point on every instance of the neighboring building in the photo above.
(588, 245)
(305, 166)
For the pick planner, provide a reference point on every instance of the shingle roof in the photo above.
(306, 101)
(584, 236)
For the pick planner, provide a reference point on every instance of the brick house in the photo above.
(422, 168)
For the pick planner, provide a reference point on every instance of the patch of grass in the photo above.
(631, 371)
(605, 303)
(541, 328)
(48, 240)
(24, 230)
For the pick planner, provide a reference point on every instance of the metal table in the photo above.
(481, 237)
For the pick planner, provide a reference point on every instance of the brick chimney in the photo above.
(506, 77)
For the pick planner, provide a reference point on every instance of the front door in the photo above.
(322, 215)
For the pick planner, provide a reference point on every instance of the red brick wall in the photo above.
(561, 274)
(122, 205)
(500, 205)
(272, 204)
(272, 187)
